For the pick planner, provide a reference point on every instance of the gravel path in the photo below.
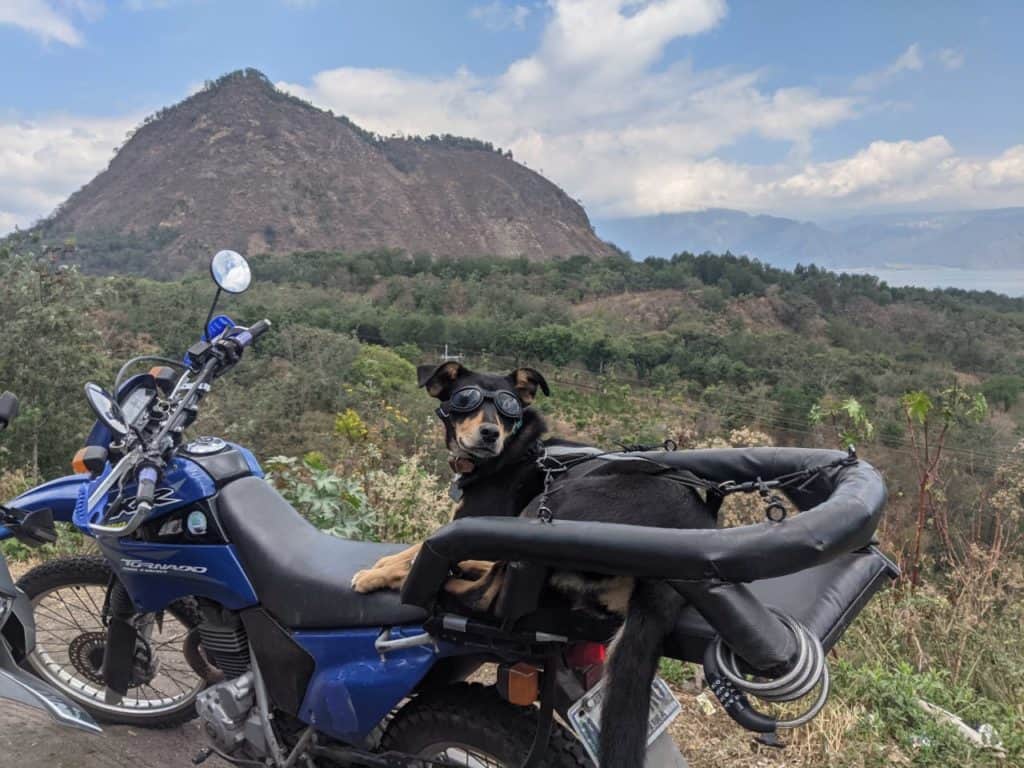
(31, 740)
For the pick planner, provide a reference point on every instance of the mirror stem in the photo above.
(209, 315)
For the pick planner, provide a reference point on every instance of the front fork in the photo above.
(122, 636)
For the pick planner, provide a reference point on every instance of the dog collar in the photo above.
(461, 465)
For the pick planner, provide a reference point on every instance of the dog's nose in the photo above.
(489, 432)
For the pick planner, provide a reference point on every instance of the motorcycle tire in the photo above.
(475, 720)
(69, 573)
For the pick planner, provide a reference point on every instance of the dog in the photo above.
(494, 437)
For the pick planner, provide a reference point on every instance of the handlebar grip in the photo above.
(144, 495)
(250, 334)
(260, 327)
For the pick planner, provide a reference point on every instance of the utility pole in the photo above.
(446, 356)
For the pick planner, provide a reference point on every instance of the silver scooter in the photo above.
(17, 627)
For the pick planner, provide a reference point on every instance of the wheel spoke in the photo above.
(55, 617)
(177, 681)
(96, 607)
(67, 608)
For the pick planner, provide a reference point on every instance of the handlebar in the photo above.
(149, 455)
(216, 358)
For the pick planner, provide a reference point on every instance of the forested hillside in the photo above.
(701, 349)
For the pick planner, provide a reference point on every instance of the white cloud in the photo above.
(596, 110)
(42, 162)
(908, 61)
(497, 16)
(892, 175)
(951, 58)
(882, 167)
(592, 107)
(882, 176)
(50, 21)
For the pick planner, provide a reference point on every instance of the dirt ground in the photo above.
(31, 740)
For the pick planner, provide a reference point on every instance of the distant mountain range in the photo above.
(992, 239)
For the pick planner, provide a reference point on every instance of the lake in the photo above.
(1007, 281)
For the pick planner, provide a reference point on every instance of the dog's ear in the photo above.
(526, 381)
(438, 379)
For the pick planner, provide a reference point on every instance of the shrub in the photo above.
(332, 503)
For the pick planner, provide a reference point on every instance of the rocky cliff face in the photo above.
(242, 165)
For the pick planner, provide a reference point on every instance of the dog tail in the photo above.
(653, 609)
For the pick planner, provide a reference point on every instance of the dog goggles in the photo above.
(468, 399)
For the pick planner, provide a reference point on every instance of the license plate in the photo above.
(585, 714)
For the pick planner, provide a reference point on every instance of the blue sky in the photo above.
(804, 109)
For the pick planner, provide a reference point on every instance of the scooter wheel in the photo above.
(470, 724)
(67, 596)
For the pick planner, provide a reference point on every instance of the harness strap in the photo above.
(715, 493)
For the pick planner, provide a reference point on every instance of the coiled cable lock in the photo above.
(729, 684)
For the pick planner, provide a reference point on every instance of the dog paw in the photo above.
(365, 581)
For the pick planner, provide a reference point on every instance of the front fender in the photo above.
(60, 496)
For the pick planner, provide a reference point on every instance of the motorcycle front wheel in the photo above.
(67, 596)
(470, 725)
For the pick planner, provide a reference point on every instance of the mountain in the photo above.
(242, 165)
(782, 242)
(987, 239)
(992, 239)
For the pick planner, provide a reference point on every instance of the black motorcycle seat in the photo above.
(300, 574)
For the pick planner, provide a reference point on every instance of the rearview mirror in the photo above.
(230, 271)
(8, 409)
(106, 409)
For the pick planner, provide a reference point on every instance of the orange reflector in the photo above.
(78, 463)
(155, 370)
(519, 684)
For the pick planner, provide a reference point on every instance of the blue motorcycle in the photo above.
(214, 596)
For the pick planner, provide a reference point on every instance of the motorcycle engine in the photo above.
(230, 719)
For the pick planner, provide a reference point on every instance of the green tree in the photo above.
(930, 421)
(1003, 389)
(847, 418)
(49, 347)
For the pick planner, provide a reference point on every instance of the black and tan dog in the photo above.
(494, 439)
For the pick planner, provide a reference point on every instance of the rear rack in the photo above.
(840, 507)
(841, 510)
